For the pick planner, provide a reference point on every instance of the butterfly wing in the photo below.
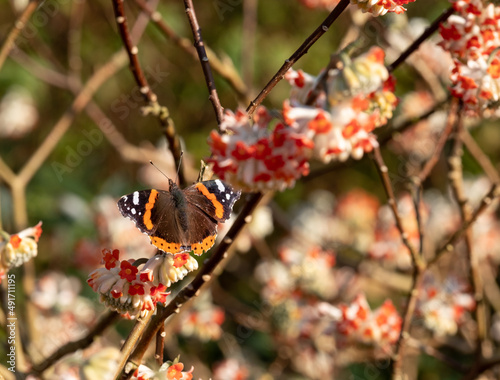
(155, 214)
(215, 198)
(208, 203)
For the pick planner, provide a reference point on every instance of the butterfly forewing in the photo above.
(215, 198)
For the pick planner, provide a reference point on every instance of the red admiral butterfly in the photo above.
(181, 220)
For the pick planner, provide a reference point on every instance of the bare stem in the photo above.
(429, 165)
(425, 35)
(106, 320)
(391, 200)
(456, 180)
(492, 194)
(205, 64)
(302, 50)
(19, 25)
(160, 112)
(481, 158)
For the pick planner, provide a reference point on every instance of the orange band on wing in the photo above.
(147, 214)
(165, 246)
(219, 210)
(205, 245)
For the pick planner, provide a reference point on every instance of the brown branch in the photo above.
(435, 353)
(224, 67)
(19, 25)
(429, 165)
(425, 35)
(94, 83)
(391, 200)
(106, 320)
(74, 41)
(477, 370)
(492, 194)
(193, 289)
(457, 185)
(127, 151)
(481, 158)
(205, 64)
(160, 112)
(131, 340)
(389, 132)
(303, 49)
(417, 274)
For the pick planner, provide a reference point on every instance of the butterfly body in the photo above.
(181, 220)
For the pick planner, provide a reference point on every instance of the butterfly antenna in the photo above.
(179, 167)
(157, 168)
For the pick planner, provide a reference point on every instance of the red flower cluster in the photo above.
(472, 36)
(359, 323)
(254, 158)
(381, 7)
(358, 98)
(375, 7)
(325, 4)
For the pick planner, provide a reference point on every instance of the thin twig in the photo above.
(117, 61)
(417, 274)
(435, 353)
(75, 41)
(417, 198)
(19, 25)
(448, 246)
(424, 36)
(390, 132)
(303, 49)
(106, 320)
(429, 165)
(193, 289)
(205, 64)
(481, 158)
(457, 185)
(160, 112)
(477, 370)
(391, 200)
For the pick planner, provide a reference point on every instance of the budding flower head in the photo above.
(18, 248)
(170, 370)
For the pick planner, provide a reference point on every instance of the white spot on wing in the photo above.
(220, 185)
(228, 196)
(135, 200)
(133, 211)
